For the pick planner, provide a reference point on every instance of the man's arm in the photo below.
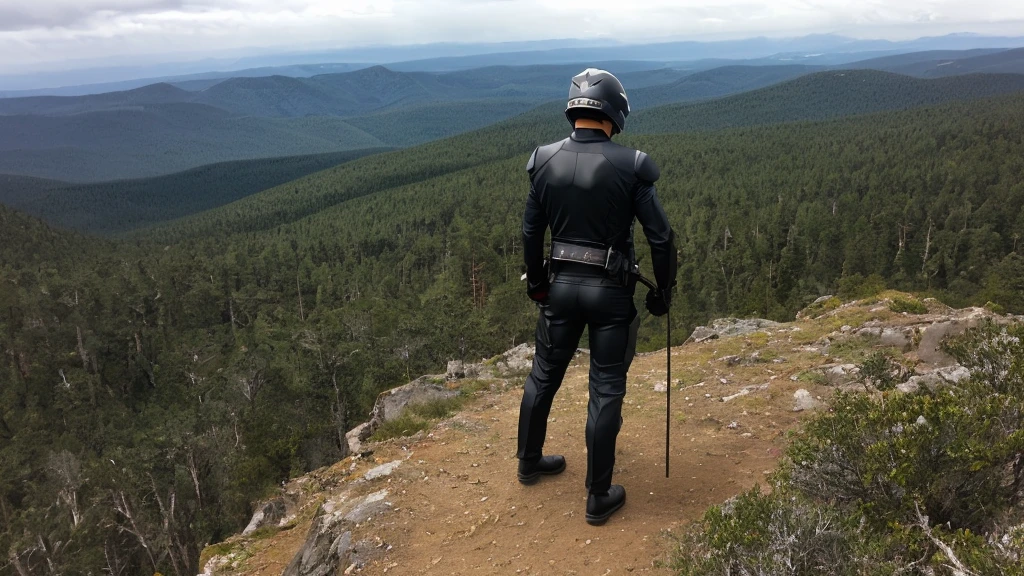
(655, 223)
(535, 225)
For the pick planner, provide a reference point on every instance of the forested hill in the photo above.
(715, 83)
(160, 138)
(122, 205)
(306, 196)
(824, 95)
(233, 350)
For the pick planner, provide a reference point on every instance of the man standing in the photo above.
(588, 190)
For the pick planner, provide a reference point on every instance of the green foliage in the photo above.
(908, 305)
(884, 369)
(776, 533)
(437, 409)
(856, 286)
(113, 207)
(881, 485)
(157, 139)
(822, 96)
(417, 418)
(816, 309)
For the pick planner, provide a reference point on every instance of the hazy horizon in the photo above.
(46, 36)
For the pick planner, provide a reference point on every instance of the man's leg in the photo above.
(613, 327)
(559, 328)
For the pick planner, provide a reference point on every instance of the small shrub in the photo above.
(814, 310)
(923, 483)
(995, 308)
(405, 425)
(814, 377)
(994, 354)
(777, 533)
(884, 370)
(908, 305)
(856, 286)
(417, 418)
(438, 408)
(953, 453)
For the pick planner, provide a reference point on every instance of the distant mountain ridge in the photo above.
(455, 56)
(822, 96)
(117, 206)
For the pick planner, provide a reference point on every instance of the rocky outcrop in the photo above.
(935, 378)
(270, 513)
(328, 549)
(392, 403)
(725, 327)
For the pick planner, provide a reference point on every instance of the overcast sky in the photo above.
(36, 32)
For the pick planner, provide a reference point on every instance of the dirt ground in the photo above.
(456, 506)
(459, 509)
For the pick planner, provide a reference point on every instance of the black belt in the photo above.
(581, 254)
(602, 257)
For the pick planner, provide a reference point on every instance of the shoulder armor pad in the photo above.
(542, 155)
(645, 168)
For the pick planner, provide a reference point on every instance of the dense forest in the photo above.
(153, 387)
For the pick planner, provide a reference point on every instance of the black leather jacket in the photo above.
(589, 190)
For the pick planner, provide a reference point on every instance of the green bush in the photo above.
(924, 483)
(884, 370)
(416, 418)
(777, 533)
(909, 305)
(856, 286)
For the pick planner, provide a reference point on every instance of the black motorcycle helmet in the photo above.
(598, 94)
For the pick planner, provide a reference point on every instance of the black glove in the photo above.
(657, 302)
(538, 292)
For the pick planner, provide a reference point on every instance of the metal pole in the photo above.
(668, 384)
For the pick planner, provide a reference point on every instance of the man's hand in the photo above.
(657, 302)
(538, 291)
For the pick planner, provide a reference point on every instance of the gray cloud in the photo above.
(34, 33)
(22, 14)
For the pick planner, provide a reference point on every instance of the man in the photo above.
(588, 190)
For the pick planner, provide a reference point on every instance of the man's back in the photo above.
(589, 190)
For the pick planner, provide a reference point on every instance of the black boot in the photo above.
(531, 470)
(600, 507)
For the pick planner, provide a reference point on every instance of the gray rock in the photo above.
(368, 507)
(356, 436)
(318, 554)
(822, 299)
(518, 360)
(804, 401)
(896, 338)
(931, 339)
(365, 552)
(328, 548)
(935, 378)
(456, 370)
(392, 403)
(268, 514)
(340, 547)
(725, 327)
(382, 470)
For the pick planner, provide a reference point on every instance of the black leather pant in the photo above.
(606, 308)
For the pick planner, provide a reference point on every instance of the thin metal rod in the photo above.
(668, 384)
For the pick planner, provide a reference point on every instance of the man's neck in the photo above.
(606, 126)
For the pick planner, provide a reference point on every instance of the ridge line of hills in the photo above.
(161, 129)
(110, 207)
